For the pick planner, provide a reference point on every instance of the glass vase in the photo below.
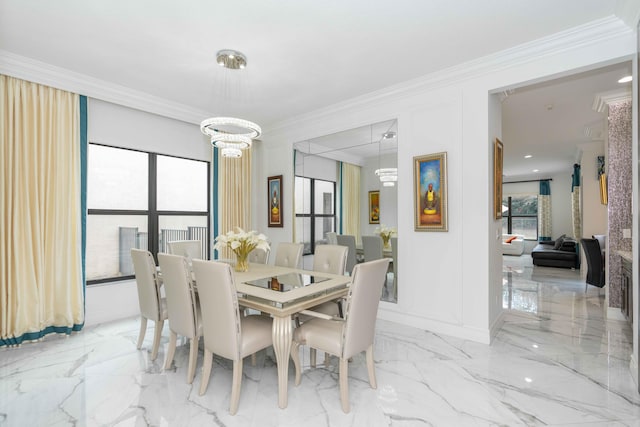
(242, 262)
(386, 240)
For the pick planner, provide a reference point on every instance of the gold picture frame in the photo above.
(274, 203)
(430, 187)
(498, 155)
(374, 207)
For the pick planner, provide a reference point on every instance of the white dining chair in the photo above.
(225, 332)
(259, 256)
(350, 242)
(152, 306)
(184, 313)
(352, 335)
(372, 247)
(190, 249)
(289, 255)
(332, 238)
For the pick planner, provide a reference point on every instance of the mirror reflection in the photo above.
(346, 193)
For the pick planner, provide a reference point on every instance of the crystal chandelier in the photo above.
(388, 176)
(230, 134)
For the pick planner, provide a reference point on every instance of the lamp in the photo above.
(388, 176)
(230, 134)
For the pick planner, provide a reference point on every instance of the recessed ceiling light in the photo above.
(625, 79)
(536, 170)
(528, 156)
(527, 379)
(389, 135)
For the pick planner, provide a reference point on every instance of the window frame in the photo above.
(152, 213)
(509, 216)
(312, 215)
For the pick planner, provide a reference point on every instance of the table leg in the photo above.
(282, 334)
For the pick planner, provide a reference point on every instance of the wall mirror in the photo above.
(346, 183)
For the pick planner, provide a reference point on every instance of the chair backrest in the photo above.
(289, 255)
(332, 238)
(219, 308)
(362, 305)
(595, 271)
(147, 283)
(178, 288)
(330, 259)
(190, 249)
(372, 248)
(394, 255)
(259, 256)
(350, 242)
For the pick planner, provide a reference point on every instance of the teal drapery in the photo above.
(544, 211)
(84, 146)
(214, 199)
(340, 199)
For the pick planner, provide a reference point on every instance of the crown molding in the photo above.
(61, 78)
(597, 31)
(602, 100)
(629, 12)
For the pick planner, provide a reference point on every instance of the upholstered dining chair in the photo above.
(352, 335)
(190, 249)
(152, 306)
(184, 313)
(225, 332)
(289, 254)
(372, 248)
(350, 242)
(259, 256)
(595, 270)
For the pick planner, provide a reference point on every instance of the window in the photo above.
(141, 200)
(315, 211)
(521, 215)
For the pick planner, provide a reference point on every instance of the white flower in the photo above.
(385, 232)
(240, 241)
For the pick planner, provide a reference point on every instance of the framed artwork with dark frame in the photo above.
(274, 188)
(374, 207)
(498, 150)
(430, 186)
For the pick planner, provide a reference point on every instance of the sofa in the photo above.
(512, 244)
(561, 252)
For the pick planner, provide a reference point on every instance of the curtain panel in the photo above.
(350, 198)
(234, 179)
(576, 213)
(41, 285)
(544, 211)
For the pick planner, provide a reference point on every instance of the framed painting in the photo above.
(430, 185)
(498, 150)
(374, 207)
(274, 187)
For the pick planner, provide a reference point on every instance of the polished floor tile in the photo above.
(556, 361)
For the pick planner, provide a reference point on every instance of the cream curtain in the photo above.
(351, 200)
(234, 180)
(41, 289)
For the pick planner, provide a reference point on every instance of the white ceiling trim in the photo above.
(602, 100)
(40, 72)
(584, 35)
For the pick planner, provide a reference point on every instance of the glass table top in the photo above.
(287, 282)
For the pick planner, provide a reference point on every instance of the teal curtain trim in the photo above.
(575, 178)
(33, 336)
(544, 239)
(340, 192)
(545, 188)
(214, 214)
(83, 189)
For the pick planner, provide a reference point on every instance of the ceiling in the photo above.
(302, 55)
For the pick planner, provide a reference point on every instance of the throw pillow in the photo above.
(511, 239)
(559, 241)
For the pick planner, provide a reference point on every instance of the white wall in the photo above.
(594, 213)
(448, 278)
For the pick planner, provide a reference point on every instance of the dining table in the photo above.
(282, 292)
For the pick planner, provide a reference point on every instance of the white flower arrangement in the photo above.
(241, 242)
(386, 233)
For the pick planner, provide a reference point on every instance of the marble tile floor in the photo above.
(556, 361)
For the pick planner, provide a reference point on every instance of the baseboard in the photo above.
(496, 326)
(614, 313)
(482, 336)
